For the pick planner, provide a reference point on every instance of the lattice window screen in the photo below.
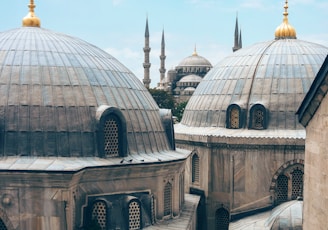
(222, 219)
(258, 118)
(297, 184)
(111, 137)
(2, 225)
(234, 118)
(99, 214)
(195, 168)
(167, 199)
(282, 189)
(134, 216)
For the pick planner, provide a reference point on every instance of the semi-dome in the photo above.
(272, 76)
(61, 96)
(191, 78)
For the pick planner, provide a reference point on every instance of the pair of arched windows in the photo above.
(289, 186)
(257, 117)
(100, 215)
(111, 132)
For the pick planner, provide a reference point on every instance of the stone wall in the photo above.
(316, 170)
(240, 176)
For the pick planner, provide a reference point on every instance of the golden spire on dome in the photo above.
(31, 20)
(285, 30)
(195, 52)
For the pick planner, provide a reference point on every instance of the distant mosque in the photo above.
(182, 80)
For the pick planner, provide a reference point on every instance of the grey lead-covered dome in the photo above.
(274, 74)
(195, 60)
(54, 88)
(191, 78)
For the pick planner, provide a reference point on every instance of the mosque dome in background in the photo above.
(259, 87)
(55, 91)
(195, 60)
(191, 78)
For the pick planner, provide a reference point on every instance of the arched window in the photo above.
(2, 225)
(195, 168)
(134, 215)
(99, 214)
(167, 199)
(111, 136)
(221, 219)
(282, 189)
(111, 132)
(233, 117)
(297, 184)
(258, 117)
(287, 183)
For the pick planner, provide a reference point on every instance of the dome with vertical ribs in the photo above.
(275, 73)
(51, 86)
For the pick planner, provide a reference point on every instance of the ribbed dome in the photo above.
(275, 74)
(52, 86)
(195, 61)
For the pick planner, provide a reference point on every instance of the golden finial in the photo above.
(285, 30)
(31, 20)
(195, 51)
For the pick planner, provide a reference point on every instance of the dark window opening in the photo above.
(167, 199)
(282, 189)
(222, 219)
(297, 184)
(195, 168)
(258, 117)
(2, 225)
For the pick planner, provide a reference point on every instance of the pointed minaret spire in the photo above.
(31, 20)
(146, 63)
(162, 70)
(237, 37)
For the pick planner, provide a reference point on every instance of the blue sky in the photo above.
(118, 26)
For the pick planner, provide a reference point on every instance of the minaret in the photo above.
(162, 70)
(238, 42)
(146, 64)
(31, 20)
(285, 30)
